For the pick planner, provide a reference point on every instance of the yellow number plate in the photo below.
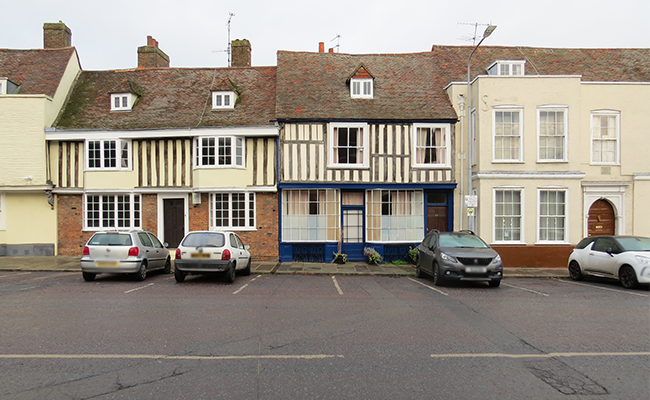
(200, 255)
(107, 263)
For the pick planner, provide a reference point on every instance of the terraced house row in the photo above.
(326, 152)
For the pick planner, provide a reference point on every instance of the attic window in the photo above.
(361, 88)
(7, 87)
(121, 101)
(507, 68)
(3, 86)
(223, 100)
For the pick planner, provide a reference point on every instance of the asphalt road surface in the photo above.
(320, 337)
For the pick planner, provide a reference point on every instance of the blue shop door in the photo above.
(353, 231)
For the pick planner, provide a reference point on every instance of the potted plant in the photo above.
(412, 256)
(340, 258)
(373, 257)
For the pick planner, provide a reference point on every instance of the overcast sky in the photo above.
(194, 33)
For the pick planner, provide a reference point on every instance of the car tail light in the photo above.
(178, 254)
(225, 255)
(134, 251)
(86, 251)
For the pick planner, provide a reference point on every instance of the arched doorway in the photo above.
(602, 219)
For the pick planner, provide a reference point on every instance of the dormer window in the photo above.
(7, 87)
(223, 100)
(3, 86)
(121, 101)
(507, 68)
(361, 88)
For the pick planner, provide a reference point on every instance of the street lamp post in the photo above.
(488, 32)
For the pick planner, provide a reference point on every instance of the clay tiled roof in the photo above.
(594, 65)
(170, 98)
(406, 87)
(35, 71)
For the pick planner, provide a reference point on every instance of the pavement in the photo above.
(72, 264)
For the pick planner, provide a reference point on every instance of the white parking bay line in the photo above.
(603, 288)
(528, 290)
(10, 275)
(430, 287)
(547, 355)
(243, 287)
(164, 357)
(337, 285)
(138, 288)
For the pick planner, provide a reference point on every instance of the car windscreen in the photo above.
(461, 240)
(634, 243)
(204, 239)
(111, 239)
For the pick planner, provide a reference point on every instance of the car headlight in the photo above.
(643, 260)
(448, 258)
(497, 259)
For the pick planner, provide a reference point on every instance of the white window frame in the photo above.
(617, 140)
(507, 68)
(229, 199)
(446, 139)
(362, 88)
(394, 216)
(565, 111)
(3, 86)
(122, 161)
(364, 149)
(237, 153)
(3, 212)
(223, 100)
(310, 215)
(521, 216)
(121, 101)
(134, 218)
(520, 111)
(540, 216)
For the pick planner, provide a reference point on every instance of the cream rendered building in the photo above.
(560, 142)
(34, 85)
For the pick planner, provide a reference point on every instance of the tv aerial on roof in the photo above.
(229, 48)
(475, 36)
(338, 45)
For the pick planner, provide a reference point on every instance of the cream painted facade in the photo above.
(29, 226)
(623, 181)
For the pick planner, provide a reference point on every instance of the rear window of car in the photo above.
(585, 242)
(111, 239)
(461, 240)
(635, 243)
(204, 239)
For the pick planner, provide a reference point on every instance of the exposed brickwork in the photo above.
(200, 214)
(149, 203)
(71, 236)
(56, 35)
(264, 241)
(241, 53)
(534, 256)
(150, 56)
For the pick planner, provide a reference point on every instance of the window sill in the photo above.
(552, 161)
(508, 162)
(431, 166)
(204, 167)
(348, 166)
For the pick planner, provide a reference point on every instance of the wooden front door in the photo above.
(437, 218)
(602, 220)
(174, 215)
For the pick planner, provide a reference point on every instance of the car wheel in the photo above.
(574, 271)
(179, 275)
(88, 276)
(494, 283)
(168, 266)
(142, 272)
(627, 276)
(230, 274)
(247, 271)
(437, 279)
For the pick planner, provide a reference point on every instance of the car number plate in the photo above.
(107, 263)
(200, 255)
(476, 270)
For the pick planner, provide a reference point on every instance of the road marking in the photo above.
(10, 275)
(27, 288)
(528, 290)
(430, 287)
(603, 288)
(138, 288)
(242, 288)
(337, 285)
(547, 355)
(165, 357)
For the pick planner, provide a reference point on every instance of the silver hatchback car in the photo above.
(132, 252)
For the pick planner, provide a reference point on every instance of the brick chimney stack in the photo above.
(150, 56)
(241, 53)
(321, 47)
(56, 35)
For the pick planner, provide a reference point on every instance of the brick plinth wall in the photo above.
(534, 256)
(71, 237)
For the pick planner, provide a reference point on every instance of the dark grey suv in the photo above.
(448, 256)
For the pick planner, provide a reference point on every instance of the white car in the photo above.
(204, 252)
(626, 258)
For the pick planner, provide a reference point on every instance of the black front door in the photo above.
(174, 221)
